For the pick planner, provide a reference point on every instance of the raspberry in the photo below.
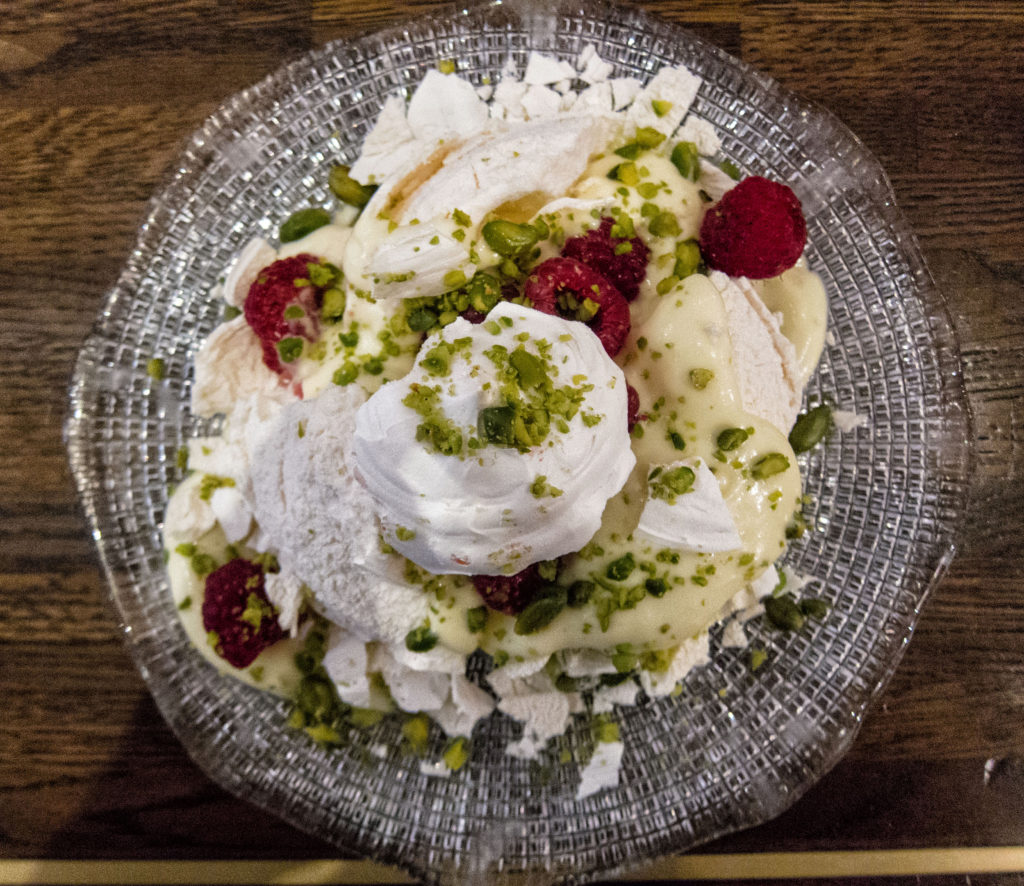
(598, 249)
(554, 285)
(632, 406)
(510, 594)
(270, 296)
(235, 598)
(756, 230)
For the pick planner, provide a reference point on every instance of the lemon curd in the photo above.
(631, 593)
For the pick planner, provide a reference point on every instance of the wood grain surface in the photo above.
(96, 97)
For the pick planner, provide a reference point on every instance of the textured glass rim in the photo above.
(955, 450)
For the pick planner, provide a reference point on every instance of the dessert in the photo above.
(497, 402)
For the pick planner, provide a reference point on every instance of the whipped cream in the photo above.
(496, 508)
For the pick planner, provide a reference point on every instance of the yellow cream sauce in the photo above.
(672, 333)
(274, 668)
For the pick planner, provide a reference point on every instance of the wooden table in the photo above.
(96, 98)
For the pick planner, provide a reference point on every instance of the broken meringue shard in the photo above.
(696, 518)
(305, 497)
(410, 236)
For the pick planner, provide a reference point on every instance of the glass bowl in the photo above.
(735, 747)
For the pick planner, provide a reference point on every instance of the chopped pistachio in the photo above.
(626, 173)
(580, 592)
(664, 224)
(476, 619)
(345, 374)
(656, 587)
(667, 284)
(605, 731)
(347, 189)
(289, 349)
(202, 564)
(333, 306)
(730, 169)
(810, 428)
(701, 378)
(769, 465)
(508, 238)
(542, 610)
(622, 568)
(686, 159)
(456, 754)
(256, 609)
(688, 259)
(416, 731)
(784, 612)
(732, 438)
(212, 482)
(648, 136)
(454, 279)
(421, 639)
(303, 222)
(667, 485)
(365, 718)
(156, 369)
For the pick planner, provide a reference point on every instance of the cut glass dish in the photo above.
(735, 747)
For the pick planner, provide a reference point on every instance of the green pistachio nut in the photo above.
(509, 239)
(580, 592)
(784, 613)
(495, 425)
(333, 306)
(732, 438)
(303, 222)
(622, 568)
(542, 610)
(685, 158)
(688, 259)
(769, 465)
(347, 189)
(420, 639)
(648, 136)
(627, 173)
(810, 428)
(664, 224)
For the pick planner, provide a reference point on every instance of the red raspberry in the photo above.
(756, 230)
(271, 294)
(632, 406)
(510, 594)
(597, 249)
(567, 276)
(227, 597)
